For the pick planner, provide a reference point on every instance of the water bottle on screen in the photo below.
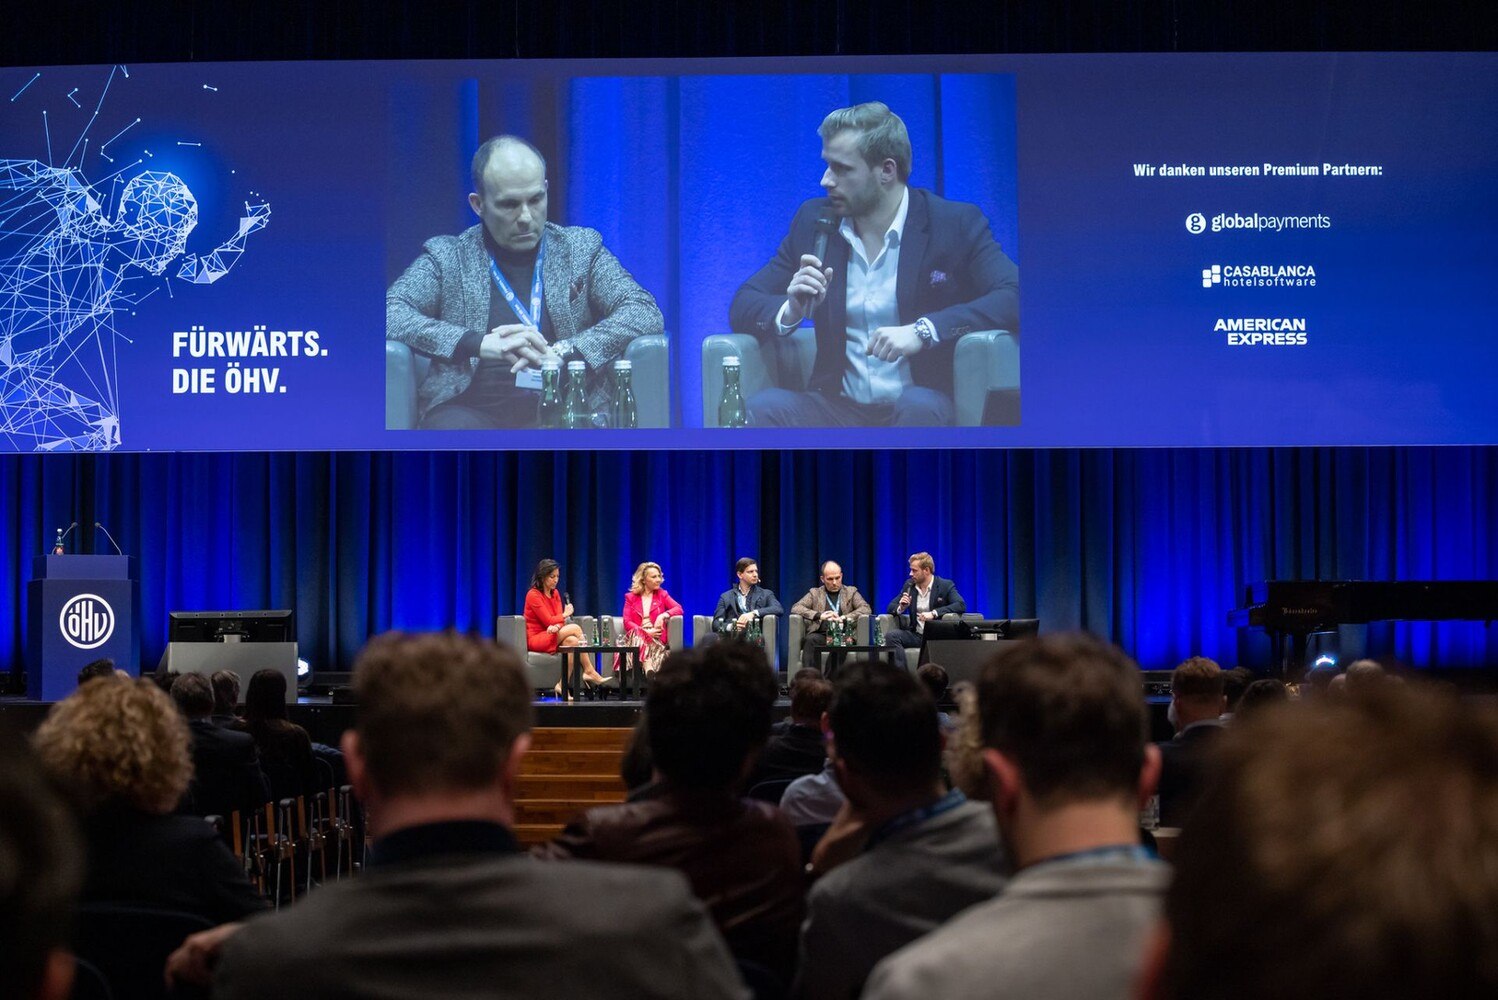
(575, 413)
(549, 409)
(626, 415)
(731, 409)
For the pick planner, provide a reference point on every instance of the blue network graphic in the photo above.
(68, 268)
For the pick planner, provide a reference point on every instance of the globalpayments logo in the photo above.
(1259, 276)
(86, 621)
(1196, 222)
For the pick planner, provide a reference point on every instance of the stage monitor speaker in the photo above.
(242, 658)
(964, 659)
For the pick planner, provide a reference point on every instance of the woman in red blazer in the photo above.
(646, 608)
(546, 624)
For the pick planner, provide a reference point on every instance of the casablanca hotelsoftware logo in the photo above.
(86, 621)
(1259, 276)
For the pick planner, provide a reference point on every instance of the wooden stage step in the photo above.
(568, 771)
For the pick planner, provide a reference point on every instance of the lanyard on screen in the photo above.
(532, 318)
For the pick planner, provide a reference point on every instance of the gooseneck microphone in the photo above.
(62, 536)
(107, 535)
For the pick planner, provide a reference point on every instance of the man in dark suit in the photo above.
(925, 597)
(740, 605)
(1196, 704)
(226, 766)
(449, 905)
(906, 273)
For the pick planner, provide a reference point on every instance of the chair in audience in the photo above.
(763, 983)
(769, 791)
(650, 356)
(985, 372)
(88, 982)
(129, 945)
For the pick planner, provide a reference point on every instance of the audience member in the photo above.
(964, 751)
(709, 711)
(103, 667)
(934, 676)
(1360, 837)
(449, 906)
(813, 801)
(920, 854)
(801, 674)
(1364, 673)
(284, 747)
(124, 753)
(225, 699)
(1260, 694)
(41, 869)
(226, 773)
(1196, 707)
(1234, 683)
(636, 769)
(1068, 768)
(798, 749)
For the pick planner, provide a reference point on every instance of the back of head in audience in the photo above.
(1369, 873)
(810, 696)
(96, 668)
(225, 692)
(1260, 694)
(439, 714)
(709, 710)
(1067, 714)
(885, 737)
(118, 742)
(265, 698)
(1234, 683)
(934, 676)
(1196, 692)
(41, 871)
(193, 694)
(1363, 673)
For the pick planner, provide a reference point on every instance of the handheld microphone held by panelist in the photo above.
(808, 287)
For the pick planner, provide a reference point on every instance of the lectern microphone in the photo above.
(107, 535)
(62, 536)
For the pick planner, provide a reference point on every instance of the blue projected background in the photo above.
(145, 208)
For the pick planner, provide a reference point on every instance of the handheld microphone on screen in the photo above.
(62, 536)
(826, 226)
(107, 535)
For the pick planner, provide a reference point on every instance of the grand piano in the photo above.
(1293, 609)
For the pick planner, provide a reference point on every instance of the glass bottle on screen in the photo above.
(575, 413)
(549, 409)
(626, 416)
(731, 409)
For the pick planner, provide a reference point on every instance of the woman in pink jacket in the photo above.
(646, 608)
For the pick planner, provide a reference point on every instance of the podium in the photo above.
(80, 608)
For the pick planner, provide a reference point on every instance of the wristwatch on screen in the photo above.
(926, 330)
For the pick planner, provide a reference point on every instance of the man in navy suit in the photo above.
(924, 598)
(906, 274)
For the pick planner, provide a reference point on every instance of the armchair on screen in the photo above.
(795, 639)
(405, 368)
(702, 627)
(913, 656)
(985, 372)
(544, 669)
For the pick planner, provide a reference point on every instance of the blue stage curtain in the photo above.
(1148, 548)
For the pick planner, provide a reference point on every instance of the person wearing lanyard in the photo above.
(1067, 770)
(832, 600)
(745, 601)
(490, 305)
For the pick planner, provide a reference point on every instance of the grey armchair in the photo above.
(404, 370)
(984, 364)
(702, 627)
(545, 669)
(913, 656)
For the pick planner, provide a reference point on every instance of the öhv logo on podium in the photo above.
(86, 621)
